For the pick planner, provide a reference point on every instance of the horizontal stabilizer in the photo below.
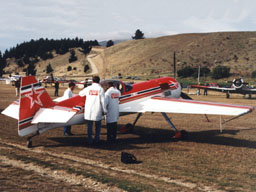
(12, 111)
(52, 115)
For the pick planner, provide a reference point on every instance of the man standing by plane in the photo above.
(94, 107)
(68, 94)
(112, 104)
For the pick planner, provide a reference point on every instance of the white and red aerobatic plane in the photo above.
(36, 112)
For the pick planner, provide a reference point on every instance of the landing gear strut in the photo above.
(178, 134)
(128, 128)
(29, 139)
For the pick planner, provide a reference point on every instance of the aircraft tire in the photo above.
(29, 144)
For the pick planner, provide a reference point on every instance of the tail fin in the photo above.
(32, 97)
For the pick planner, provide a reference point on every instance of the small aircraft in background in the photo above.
(36, 112)
(237, 86)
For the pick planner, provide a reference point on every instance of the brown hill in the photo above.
(236, 50)
(154, 56)
(59, 64)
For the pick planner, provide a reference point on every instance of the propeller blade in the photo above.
(185, 96)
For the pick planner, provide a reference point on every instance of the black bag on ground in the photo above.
(128, 158)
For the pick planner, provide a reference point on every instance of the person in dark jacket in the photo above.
(57, 85)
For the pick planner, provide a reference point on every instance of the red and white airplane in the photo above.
(36, 112)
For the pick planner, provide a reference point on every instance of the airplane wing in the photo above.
(220, 89)
(170, 105)
(60, 99)
(226, 89)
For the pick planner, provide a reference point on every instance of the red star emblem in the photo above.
(34, 97)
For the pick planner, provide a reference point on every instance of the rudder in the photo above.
(32, 97)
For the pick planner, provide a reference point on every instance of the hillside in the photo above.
(59, 64)
(155, 56)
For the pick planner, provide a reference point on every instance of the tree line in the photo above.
(30, 52)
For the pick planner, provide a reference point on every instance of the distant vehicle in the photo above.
(117, 77)
(129, 77)
(37, 113)
(136, 78)
(80, 84)
(47, 79)
(237, 86)
(15, 78)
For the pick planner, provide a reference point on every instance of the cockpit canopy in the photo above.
(122, 87)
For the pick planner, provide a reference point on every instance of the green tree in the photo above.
(86, 48)
(109, 43)
(138, 35)
(20, 63)
(72, 57)
(205, 71)
(187, 72)
(2, 64)
(31, 69)
(253, 75)
(220, 72)
(86, 68)
(49, 68)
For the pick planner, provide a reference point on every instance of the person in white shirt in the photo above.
(112, 104)
(94, 107)
(68, 94)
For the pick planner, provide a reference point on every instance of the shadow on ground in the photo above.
(142, 135)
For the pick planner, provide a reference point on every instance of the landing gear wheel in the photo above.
(181, 135)
(29, 144)
(128, 128)
(227, 95)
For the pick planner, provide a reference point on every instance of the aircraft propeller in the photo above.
(185, 96)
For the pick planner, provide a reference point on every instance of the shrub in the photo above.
(253, 75)
(69, 68)
(220, 72)
(186, 72)
(86, 68)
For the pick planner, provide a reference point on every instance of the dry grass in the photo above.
(155, 56)
(59, 64)
(222, 161)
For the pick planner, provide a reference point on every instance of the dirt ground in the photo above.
(207, 161)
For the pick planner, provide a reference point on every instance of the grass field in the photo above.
(207, 161)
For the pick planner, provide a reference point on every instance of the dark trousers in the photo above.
(56, 93)
(97, 133)
(67, 129)
(111, 135)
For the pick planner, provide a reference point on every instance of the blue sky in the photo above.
(22, 20)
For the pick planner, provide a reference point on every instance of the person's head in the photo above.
(71, 85)
(110, 84)
(96, 79)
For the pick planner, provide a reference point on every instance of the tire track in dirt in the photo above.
(59, 175)
(93, 163)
